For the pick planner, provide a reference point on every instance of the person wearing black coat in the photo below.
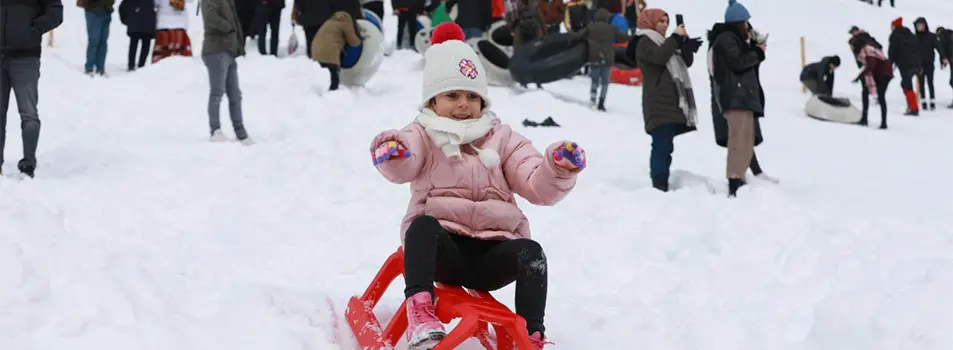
(945, 43)
(268, 16)
(719, 124)
(310, 15)
(474, 16)
(904, 52)
(407, 12)
(736, 56)
(928, 44)
(818, 77)
(139, 16)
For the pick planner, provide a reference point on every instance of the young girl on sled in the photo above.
(462, 226)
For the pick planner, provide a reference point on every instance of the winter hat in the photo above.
(451, 64)
(736, 12)
(897, 23)
(853, 29)
(649, 18)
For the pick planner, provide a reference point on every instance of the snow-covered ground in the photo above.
(140, 234)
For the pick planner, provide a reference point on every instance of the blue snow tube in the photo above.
(370, 16)
(620, 23)
(350, 55)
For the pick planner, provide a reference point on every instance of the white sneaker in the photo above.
(247, 141)
(218, 136)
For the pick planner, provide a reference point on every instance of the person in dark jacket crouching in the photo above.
(736, 57)
(904, 52)
(22, 28)
(139, 16)
(818, 77)
(668, 99)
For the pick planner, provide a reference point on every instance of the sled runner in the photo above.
(477, 309)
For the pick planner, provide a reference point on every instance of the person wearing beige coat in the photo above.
(339, 30)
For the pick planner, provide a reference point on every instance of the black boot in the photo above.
(734, 185)
(660, 183)
(932, 105)
(27, 167)
(923, 106)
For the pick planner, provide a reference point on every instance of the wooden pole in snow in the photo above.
(803, 61)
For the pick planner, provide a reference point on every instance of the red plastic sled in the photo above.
(477, 309)
(626, 76)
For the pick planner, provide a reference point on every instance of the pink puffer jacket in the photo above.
(466, 196)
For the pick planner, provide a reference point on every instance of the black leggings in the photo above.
(335, 71)
(134, 41)
(882, 84)
(926, 78)
(408, 20)
(433, 254)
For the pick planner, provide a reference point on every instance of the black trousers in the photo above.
(408, 20)
(926, 80)
(335, 71)
(433, 254)
(134, 40)
(309, 33)
(882, 84)
(816, 86)
(271, 19)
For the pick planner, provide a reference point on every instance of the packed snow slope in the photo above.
(140, 234)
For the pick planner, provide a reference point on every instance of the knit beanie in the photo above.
(896, 23)
(736, 12)
(835, 60)
(453, 65)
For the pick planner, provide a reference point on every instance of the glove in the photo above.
(857, 80)
(692, 44)
(570, 156)
(389, 150)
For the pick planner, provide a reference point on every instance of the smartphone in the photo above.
(679, 20)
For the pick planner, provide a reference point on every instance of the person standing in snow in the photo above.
(269, 12)
(407, 12)
(171, 37)
(945, 43)
(928, 44)
(719, 123)
(904, 52)
(466, 228)
(139, 16)
(736, 56)
(600, 35)
(524, 21)
(551, 12)
(336, 32)
(668, 104)
(818, 77)
(98, 17)
(310, 15)
(21, 31)
(876, 73)
(224, 42)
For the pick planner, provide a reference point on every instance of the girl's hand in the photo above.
(570, 156)
(389, 150)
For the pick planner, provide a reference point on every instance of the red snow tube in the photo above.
(624, 69)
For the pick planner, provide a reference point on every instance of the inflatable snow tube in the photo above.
(548, 59)
(370, 16)
(625, 75)
(423, 22)
(422, 41)
(832, 109)
(360, 63)
(495, 62)
(500, 35)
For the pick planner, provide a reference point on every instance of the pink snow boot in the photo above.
(424, 330)
(538, 341)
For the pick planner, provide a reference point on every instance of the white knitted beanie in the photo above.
(453, 65)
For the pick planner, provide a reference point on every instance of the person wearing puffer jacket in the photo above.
(462, 226)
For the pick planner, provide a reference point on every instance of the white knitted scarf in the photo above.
(449, 134)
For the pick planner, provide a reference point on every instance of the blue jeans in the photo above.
(663, 144)
(97, 34)
(600, 74)
(469, 33)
